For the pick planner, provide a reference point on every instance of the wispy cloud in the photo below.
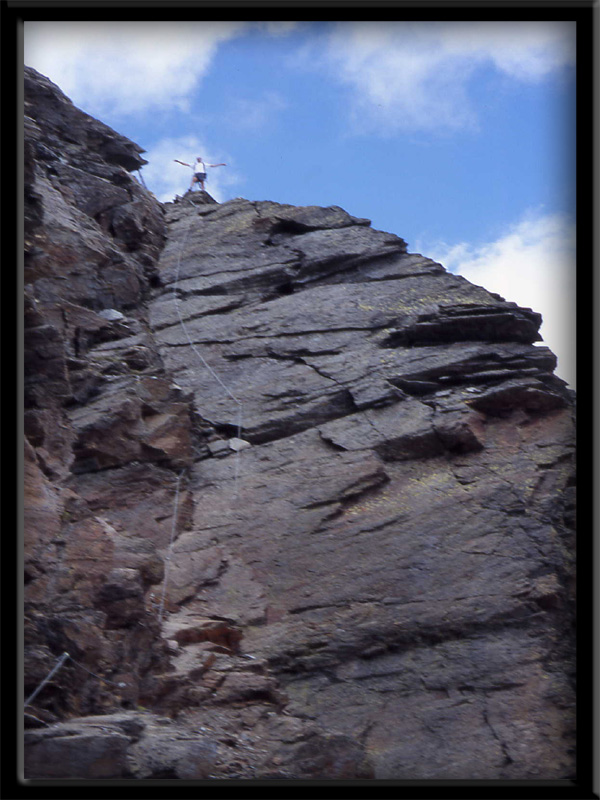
(415, 75)
(132, 67)
(165, 178)
(256, 114)
(532, 264)
(527, 51)
(126, 67)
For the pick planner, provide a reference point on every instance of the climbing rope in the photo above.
(55, 669)
(238, 403)
(120, 684)
(201, 358)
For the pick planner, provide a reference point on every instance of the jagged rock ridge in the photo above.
(375, 582)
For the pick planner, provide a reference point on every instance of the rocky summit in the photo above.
(299, 503)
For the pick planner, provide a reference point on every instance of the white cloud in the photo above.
(125, 67)
(166, 179)
(532, 264)
(131, 67)
(526, 51)
(415, 75)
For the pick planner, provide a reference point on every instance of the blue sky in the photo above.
(457, 136)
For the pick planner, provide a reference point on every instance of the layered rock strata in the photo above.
(308, 495)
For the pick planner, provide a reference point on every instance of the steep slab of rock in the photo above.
(377, 521)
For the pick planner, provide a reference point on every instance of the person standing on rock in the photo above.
(199, 168)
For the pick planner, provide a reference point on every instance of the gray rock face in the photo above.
(306, 493)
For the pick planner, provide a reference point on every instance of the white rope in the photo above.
(191, 343)
(237, 453)
(203, 360)
(55, 669)
(121, 685)
(169, 552)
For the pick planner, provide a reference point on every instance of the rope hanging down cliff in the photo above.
(238, 422)
(55, 669)
(201, 358)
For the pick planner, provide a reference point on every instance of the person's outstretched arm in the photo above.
(182, 162)
(216, 165)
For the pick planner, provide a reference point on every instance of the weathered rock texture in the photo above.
(308, 495)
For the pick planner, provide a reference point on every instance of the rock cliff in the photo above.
(298, 503)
